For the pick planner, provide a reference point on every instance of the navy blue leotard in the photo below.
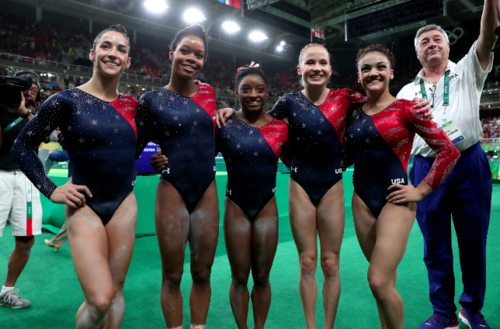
(184, 127)
(100, 138)
(251, 155)
(380, 146)
(316, 136)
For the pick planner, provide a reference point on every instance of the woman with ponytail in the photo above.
(101, 210)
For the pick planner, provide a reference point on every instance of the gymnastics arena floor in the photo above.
(50, 283)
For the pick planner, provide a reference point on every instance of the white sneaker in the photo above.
(13, 300)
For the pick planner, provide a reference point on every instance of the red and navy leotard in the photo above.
(251, 155)
(316, 136)
(380, 147)
(184, 128)
(100, 138)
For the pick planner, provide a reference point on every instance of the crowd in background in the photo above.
(491, 127)
(52, 43)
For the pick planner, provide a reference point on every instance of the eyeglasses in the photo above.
(33, 91)
(433, 94)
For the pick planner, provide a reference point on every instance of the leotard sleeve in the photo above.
(145, 124)
(279, 111)
(436, 138)
(354, 99)
(49, 117)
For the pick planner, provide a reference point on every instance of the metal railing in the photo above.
(73, 67)
(78, 68)
(490, 144)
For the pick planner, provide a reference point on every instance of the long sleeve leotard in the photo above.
(184, 128)
(251, 155)
(380, 147)
(316, 137)
(100, 138)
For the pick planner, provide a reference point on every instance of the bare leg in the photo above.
(121, 240)
(331, 221)
(365, 224)
(304, 227)
(18, 259)
(203, 236)
(392, 230)
(238, 237)
(89, 249)
(172, 229)
(101, 256)
(264, 245)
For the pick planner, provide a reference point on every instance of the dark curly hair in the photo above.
(246, 71)
(117, 28)
(378, 48)
(195, 30)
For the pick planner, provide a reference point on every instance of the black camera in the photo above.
(11, 88)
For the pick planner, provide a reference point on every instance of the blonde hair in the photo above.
(310, 45)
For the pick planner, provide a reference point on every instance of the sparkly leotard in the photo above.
(251, 155)
(380, 146)
(315, 138)
(100, 139)
(184, 128)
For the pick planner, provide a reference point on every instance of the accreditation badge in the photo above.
(452, 131)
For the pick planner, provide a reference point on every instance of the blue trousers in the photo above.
(465, 198)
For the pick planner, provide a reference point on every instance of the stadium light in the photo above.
(257, 36)
(156, 6)
(231, 27)
(279, 48)
(193, 16)
(282, 43)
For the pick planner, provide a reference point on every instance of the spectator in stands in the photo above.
(454, 91)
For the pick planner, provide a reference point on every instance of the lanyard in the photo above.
(12, 124)
(446, 98)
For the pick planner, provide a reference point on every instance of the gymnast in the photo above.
(180, 117)
(101, 209)
(378, 140)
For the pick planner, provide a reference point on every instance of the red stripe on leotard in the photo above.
(205, 98)
(336, 106)
(399, 122)
(275, 134)
(127, 106)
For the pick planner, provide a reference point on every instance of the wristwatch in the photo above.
(25, 116)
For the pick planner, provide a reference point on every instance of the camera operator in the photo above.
(19, 199)
(32, 96)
